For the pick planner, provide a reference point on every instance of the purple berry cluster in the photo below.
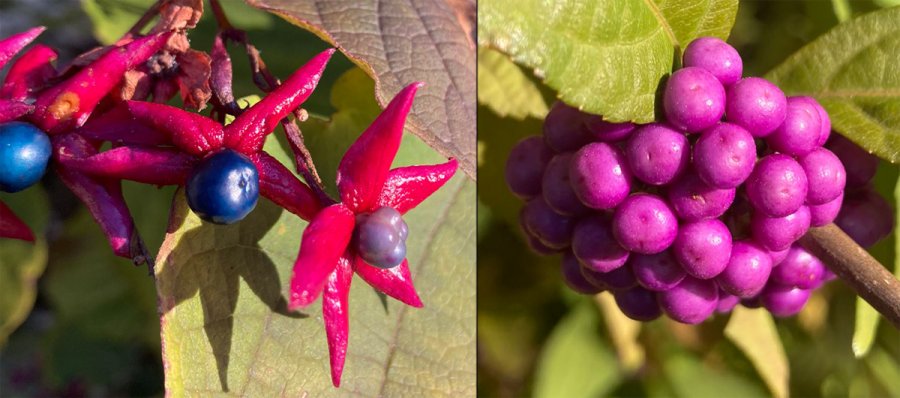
(694, 214)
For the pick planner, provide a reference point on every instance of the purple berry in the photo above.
(717, 57)
(826, 213)
(553, 229)
(778, 256)
(557, 188)
(381, 237)
(694, 99)
(777, 186)
(826, 175)
(564, 128)
(726, 302)
(594, 245)
(778, 233)
(860, 165)
(657, 272)
(657, 154)
(866, 216)
(525, 167)
(692, 199)
(784, 301)
(600, 176)
(638, 303)
(756, 105)
(800, 269)
(825, 130)
(724, 155)
(800, 131)
(605, 131)
(644, 224)
(703, 248)
(539, 248)
(747, 271)
(692, 301)
(573, 277)
(618, 279)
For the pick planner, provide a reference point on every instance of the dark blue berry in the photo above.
(223, 188)
(24, 153)
(381, 237)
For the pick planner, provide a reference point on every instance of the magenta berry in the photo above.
(784, 301)
(724, 156)
(748, 270)
(756, 105)
(826, 213)
(658, 272)
(692, 199)
(602, 130)
(691, 302)
(800, 269)
(777, 186)
(573, 277)
(553, 229)
(557, 189)
(600, 176)
(657, 154)
(525, 167)
(703, 248)
(800, 132)
(594, 246)
(645, 224)
(564, 128)
(825, 174)
(694, 99)
(778, 233)
(860, 165)
(717, 57)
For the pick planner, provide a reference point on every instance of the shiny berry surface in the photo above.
(381, 237)
(223, 188)
(24, 153)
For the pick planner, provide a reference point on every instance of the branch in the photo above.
(145, 19)
(857, 268)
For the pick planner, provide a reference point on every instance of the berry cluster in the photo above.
(693, 214)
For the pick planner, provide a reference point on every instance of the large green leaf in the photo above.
(753, 332)
(397, 43)
(504, 87)
(22, 263)
(607, 57)
(222, 294)
(854, 71)
(575, 362)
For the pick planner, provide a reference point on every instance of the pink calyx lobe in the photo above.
(29, 73)
(11, 110)
(336, 313)
(395, 282)
(406, 187)
(324, 241)
(11, 45)
(365, 166)
(191, 132)
(278, 184)
(12, 227)
(149, 165)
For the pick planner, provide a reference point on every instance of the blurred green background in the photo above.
(536, 338)
(94, 328)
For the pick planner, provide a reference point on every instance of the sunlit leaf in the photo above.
(854, 71)
(397, 43)
(607, 57)
(504, 87)
(753, 332)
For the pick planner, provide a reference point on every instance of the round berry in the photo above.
(573, 277)
(657, 154)
(703, 248)
(799, 133)
(594, 245)
(778, 256)
(825, 130)
(778, 233)
(638, 303)
(223, 188)
(800, 268)
(694, 99)
(826, 213)
(860, 165)
(381, 237)
(557, 189)
(24, 153)
(724, 155)
(644, 224)
(617, 279)
(525, 167)
(726, 302)
(553, 229)
(605, 131)
(756, 105)
(866, 216)
(691, 302)
(717, 57)
(693, 200)
(600, 176)
(784, 301)
(825, 174)
(747, 271)
(564, 128)
(539, 247)
(657, 272)
(777, 186)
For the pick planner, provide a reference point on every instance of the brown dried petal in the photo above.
(135, 86)
(178, 43)
(179, 14)
(194, 69)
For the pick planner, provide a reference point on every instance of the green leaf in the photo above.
(222, 293)
(691, 378)
(854, 71)
(397, 43)
(504, 87)
(753, 332)
(606, 57)
(575, 362)
(22, 263)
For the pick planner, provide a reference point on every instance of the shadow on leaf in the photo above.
(210, 260)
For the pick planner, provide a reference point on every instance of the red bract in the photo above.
(365, 182)
(63, 107)
(149, 131)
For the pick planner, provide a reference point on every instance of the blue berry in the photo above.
(24, 153)
(223, 188)
(381, 237)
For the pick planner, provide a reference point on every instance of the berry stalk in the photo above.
(857, 268)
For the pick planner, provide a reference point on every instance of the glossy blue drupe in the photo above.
(381, 237)
(24, 153)
(223, 188)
